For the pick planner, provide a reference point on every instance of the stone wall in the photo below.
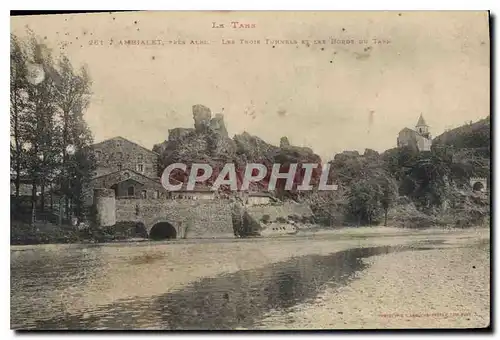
(197, 219)
(424, 144)
(105, 207)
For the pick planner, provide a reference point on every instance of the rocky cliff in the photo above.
(208, 142)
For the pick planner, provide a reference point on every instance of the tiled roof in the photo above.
(127, 140)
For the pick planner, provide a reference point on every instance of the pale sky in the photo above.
(330, 97)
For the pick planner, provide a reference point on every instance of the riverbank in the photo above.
(23, 233)
(433, 288)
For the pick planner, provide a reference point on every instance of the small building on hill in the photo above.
(419, 139)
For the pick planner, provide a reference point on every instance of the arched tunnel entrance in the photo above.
(162, 231)
(478, 186)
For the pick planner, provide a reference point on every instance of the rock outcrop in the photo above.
(179, 133)
(209, 143)
(202, 116)
(217, 125)
(284, 142)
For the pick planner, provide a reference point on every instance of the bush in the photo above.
(407, 216)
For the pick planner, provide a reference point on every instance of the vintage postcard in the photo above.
(226, 170)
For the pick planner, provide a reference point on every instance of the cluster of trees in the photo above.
(49, 137)
(370, 184)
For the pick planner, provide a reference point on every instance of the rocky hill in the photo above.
(208, 142)
(472, 135)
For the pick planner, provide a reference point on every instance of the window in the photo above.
(119, 167)
(98, 154)
(156, 194)
(144, 194)
(131, 191)
(140, 168)
(140, 158)
(118, 144)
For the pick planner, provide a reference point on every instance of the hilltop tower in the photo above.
(422, 128)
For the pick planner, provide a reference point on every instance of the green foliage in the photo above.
(48, 100)
(370, 197)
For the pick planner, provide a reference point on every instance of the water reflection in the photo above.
(225, 302)
(40, 275)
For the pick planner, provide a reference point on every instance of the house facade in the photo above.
(118, 154)
(128, 168)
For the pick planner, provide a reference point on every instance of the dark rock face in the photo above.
(217, 125)
(251, 148)
(179, 133)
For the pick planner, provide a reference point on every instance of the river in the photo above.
(204, 284)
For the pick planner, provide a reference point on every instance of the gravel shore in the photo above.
(448, 287)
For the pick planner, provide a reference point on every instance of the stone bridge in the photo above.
(166, 218)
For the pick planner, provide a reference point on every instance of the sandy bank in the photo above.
(439, 288)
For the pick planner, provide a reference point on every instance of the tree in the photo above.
(18, 104)
(430, 173)
(39, 120)
(49, 137)
(73, 93)
(328, 206)
(363, 200)
(389, 193)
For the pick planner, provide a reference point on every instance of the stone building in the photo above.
(419, 139)
(257, 198)
(200, 191)
(127, 183)
(118, 154)
(130, 169)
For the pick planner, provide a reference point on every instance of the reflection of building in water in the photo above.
(418, 139)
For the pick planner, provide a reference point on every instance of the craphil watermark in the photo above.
(301, 177)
